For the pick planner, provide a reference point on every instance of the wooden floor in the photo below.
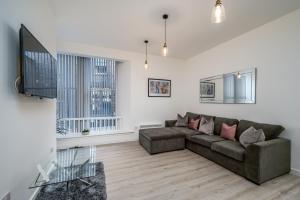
(131, 173)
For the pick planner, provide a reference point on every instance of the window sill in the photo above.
(92, 134)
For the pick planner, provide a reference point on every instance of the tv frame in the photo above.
(21, 87)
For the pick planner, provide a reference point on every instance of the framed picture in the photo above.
(207, 90)
(159, 87)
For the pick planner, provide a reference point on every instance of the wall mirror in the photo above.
(232, 88)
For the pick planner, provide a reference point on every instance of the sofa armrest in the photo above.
(267, 160)
(170, 123)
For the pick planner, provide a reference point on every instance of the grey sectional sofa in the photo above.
(258, 162)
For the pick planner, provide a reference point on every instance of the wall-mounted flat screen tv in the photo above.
(38, 67)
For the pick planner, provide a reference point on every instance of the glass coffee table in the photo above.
(73, 164)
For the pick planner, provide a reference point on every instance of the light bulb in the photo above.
(146, 64)
(165, 50)
(218, 13)
(239, 76)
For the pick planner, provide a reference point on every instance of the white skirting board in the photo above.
(63, 143)
(295, 172)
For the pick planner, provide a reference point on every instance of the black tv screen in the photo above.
(38, 67)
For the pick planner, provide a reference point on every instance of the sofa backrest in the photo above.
(207, 116)
(220, 120)
(192, 116)
(271, 131)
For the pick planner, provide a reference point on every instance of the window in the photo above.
(86, 87)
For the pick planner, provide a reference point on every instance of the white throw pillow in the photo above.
(207, 126)
(251, 135)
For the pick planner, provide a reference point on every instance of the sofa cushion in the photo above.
(186, 131)
(160, 133)
(170, 123)
(207, 126)
(205, 140)
(182, 121)
(228, 132)
(220, 120)
(271, 131)
(251, 135)
(230, 149)
(194, 124)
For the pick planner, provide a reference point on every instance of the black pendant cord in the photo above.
(165, 17)
(165, 31)
(147, 52)
(146, 43)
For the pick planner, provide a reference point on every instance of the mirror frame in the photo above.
(253, 87)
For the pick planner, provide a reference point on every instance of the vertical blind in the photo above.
(86, 87)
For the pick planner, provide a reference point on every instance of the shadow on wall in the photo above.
(12, 46)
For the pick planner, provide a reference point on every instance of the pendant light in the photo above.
(239, 76)
(165, 47)
(218, 13)
(146, 60)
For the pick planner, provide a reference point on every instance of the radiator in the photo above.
(148, 125)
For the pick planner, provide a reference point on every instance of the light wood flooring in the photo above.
(133, 174)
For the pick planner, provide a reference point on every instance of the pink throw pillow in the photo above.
(228, 132)
(194, 123)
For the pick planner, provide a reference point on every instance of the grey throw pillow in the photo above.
(251, 135)
(182, 121)
(207, 126)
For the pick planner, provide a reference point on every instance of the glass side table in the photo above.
(72, 164)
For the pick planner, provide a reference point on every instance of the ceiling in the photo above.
(125, 24)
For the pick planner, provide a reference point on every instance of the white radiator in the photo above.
(148, 125)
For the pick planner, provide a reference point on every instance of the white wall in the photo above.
(27, 124)
(274, 49)
(124, 93)
(137, 107)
